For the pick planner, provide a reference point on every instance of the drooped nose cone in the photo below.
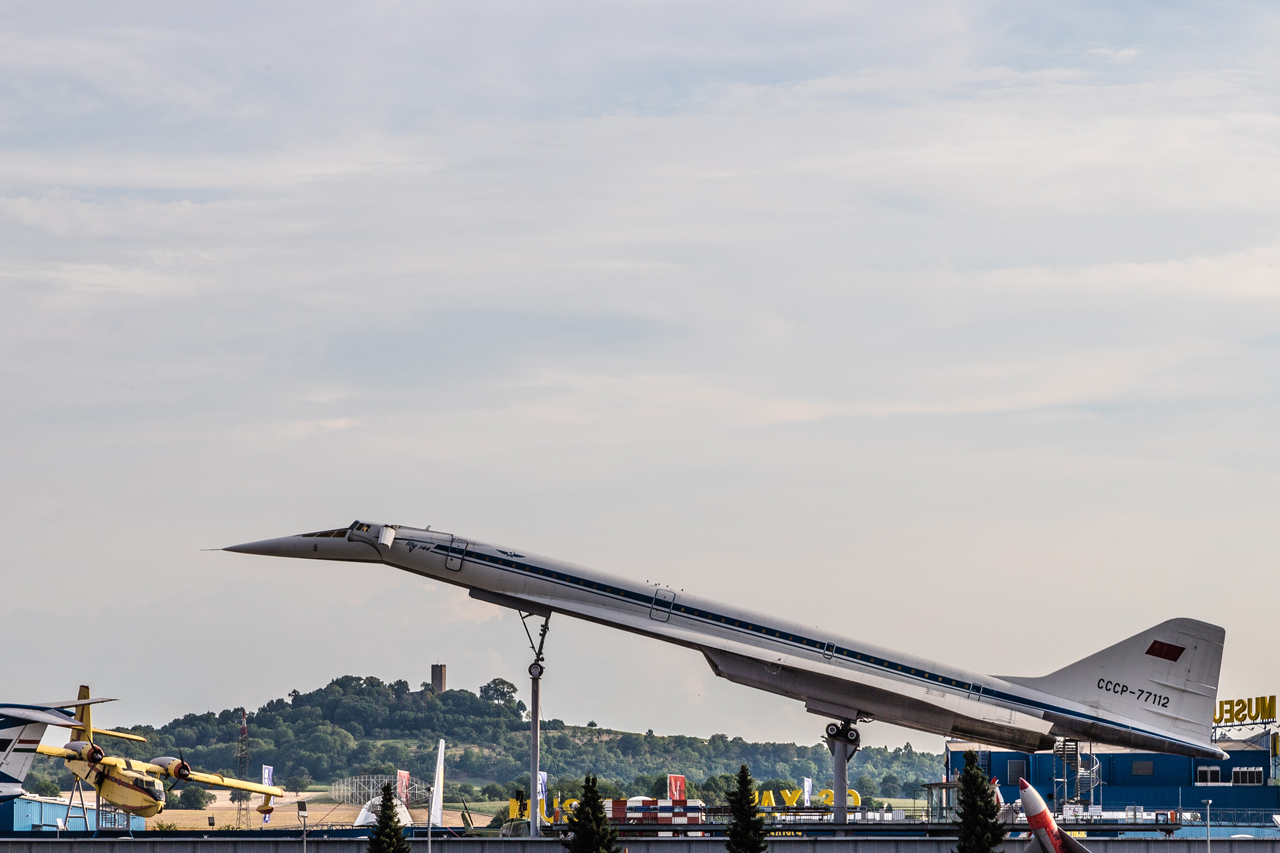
(324, 545)
(282, 547)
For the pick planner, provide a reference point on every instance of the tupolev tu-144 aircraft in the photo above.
(1154, 691)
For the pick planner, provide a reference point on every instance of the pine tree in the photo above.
(980, 828)
(387, 835)
(746, 832)
(592, 832)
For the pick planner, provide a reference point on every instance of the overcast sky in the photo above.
(951, 326)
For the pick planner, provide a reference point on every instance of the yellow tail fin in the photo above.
(84, 716)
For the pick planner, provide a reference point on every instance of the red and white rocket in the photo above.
(1045, 835)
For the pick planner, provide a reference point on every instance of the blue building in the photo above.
(1117, 779)
(42, 814)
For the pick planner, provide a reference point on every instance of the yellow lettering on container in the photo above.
(791, 797)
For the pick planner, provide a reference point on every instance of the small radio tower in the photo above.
(242, 771)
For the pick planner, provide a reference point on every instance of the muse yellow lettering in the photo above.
(1237, 711)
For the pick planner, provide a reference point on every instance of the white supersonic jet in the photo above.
(1154, 691)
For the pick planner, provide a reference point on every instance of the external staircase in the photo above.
(1075, 774)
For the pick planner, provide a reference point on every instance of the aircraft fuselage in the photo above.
(835, 676)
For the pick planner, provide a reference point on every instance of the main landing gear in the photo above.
(845, 732)
(843, 740)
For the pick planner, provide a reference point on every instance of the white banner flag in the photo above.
(268, 773)
(436, 815)
(808, 791)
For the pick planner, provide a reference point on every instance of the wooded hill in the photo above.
(358, 725)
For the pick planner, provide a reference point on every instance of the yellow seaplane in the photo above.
(133, 786)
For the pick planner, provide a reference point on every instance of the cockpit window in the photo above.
(324, 534)
(362, 528)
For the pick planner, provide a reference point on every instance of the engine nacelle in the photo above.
(175, 767)
(85, 751)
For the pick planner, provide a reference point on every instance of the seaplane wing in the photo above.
(1153, 691)
(218, 780)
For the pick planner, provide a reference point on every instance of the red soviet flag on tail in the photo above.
(675, 787)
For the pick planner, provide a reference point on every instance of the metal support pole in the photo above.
(840, 779)
(1208, 805)
(535, 675)
(535, 797)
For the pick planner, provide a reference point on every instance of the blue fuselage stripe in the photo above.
(903, 671)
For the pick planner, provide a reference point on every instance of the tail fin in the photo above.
(84, 716)
(18, 742)
(1165, 677)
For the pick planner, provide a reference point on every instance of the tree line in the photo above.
(362, 725)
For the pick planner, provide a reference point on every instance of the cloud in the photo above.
(279, 434)
(1115, 55)
(770, 300)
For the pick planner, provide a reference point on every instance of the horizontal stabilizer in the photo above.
(1165, 678)
(110, 733)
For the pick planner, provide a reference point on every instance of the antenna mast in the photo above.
(242, 771)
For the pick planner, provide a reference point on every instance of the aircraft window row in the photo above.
(325, 534)
(723, 620)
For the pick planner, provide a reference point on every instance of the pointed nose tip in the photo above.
(265, 547)
(1023, 784)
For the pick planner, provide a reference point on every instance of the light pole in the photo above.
(302, 816)
(1207, 841)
